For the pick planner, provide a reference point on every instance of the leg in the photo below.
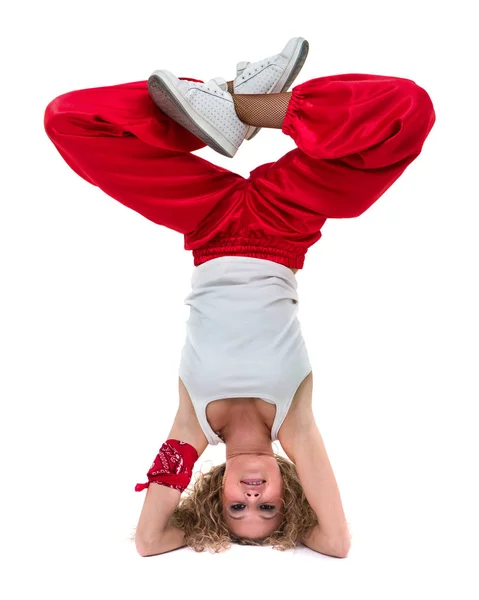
(116, 138)
(261, 110)
(355, 134)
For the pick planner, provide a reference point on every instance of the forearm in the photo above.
(170, 539)
(159, 504)
(153, 534)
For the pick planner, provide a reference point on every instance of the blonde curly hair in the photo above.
(200, 513)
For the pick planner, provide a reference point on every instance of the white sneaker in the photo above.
(271, 75)
(205, 109)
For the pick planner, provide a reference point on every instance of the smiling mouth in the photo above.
(253, 482)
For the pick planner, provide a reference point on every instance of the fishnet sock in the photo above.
(231, 89)
(262, 110)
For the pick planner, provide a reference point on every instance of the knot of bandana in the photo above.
(173, 466)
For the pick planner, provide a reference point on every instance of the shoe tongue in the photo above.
(219, 82)
(241, 66)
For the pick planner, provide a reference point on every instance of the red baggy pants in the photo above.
(355, 134)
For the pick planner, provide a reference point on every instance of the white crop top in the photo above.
(243, 337)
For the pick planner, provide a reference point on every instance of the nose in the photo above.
(252, 494)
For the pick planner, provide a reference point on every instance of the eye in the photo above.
(266, 507)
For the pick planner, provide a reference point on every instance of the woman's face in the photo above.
(252, 511)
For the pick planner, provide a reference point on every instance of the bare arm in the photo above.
(153, 534)
(301, 440)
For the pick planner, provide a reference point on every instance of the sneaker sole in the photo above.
(290, 73)
(165, 95)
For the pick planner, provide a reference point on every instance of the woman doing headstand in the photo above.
(245, 379)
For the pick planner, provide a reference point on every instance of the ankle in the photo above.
(262, 110)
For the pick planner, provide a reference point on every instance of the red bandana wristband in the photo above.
(173, 466)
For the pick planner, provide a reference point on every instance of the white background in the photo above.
(93, 320)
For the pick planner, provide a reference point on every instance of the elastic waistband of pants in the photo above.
(255, 248)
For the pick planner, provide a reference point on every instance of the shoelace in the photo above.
(251, 72)
(216, 91)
